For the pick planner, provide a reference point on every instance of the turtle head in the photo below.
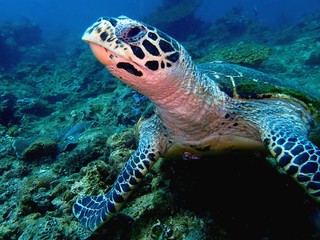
(139, 55)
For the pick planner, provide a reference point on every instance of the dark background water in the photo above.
(75, 16)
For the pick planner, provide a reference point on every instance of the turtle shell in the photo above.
(247, 83)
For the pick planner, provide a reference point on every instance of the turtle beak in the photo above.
(100, 53)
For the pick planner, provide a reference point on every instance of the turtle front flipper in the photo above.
(94, 211)
(288, 143)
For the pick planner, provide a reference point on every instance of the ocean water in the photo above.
(76, 15)
(67, 126)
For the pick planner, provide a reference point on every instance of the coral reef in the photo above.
(245, 54)
(8, 114)
(314, 58)
(35, 147)
(235, 26)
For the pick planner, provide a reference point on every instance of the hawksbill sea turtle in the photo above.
(200, 110)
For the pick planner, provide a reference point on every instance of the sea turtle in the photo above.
(200, 110)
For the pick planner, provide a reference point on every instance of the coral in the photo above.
(246, 54)
(35, 107)
(34, 195)
(8, 108)
(91, 146)
(314, 58)
(235, 26)
(125, 139)
(35, 147)
(47, 228)
(96, 178)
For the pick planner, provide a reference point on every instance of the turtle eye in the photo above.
(133, 34)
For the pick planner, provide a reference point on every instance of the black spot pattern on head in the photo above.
(164, 36)
(162, 64)
(137, 51)
(110, 39)
(175, 44)
(173, 57)
(152, 36)
(150, 28)
(129, 68)
(153, 65)
(103, 36)
(165, 46)
(90, 30)
(152, 49)
(113, 21)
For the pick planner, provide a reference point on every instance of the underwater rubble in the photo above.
(67, 128)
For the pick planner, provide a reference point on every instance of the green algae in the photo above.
(245, 54)
(41, 147)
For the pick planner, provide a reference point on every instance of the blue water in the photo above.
(77, 15)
